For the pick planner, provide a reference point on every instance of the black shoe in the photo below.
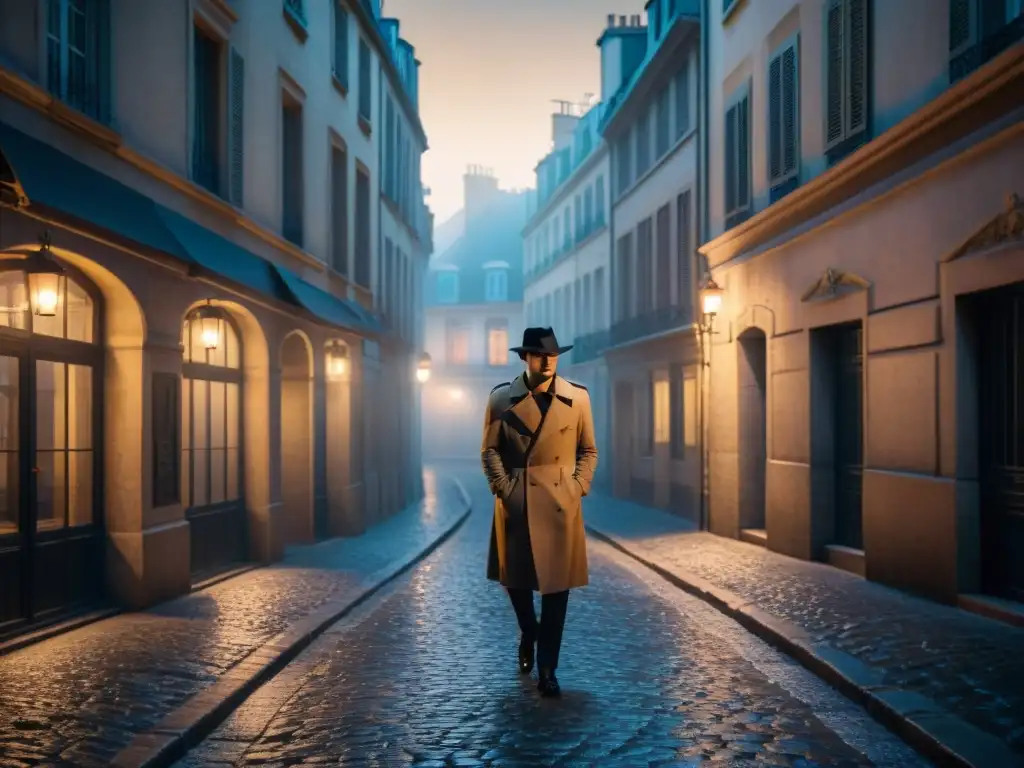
(526, 655)
(547, 683)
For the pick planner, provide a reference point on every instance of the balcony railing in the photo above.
(988, 48)
(650, 323)
(589, 347)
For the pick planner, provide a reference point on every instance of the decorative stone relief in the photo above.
(833, 284)
(1006, 227)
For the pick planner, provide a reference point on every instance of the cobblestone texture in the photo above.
(78, 698)
(426, 676)
(972, 666)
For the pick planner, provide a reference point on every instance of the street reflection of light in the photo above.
(456, 394)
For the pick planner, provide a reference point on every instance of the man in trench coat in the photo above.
(539, 456)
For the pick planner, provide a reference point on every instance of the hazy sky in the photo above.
(490, 69)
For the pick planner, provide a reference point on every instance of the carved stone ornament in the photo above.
(1007, 226)
(832, 284)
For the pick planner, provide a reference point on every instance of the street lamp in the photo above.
(45, 279)
(711, 299)
(423, 369)
(711, 296)
(337, 361)
(209, 319)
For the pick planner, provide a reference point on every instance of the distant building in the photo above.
(650, 124)
(866, 224)
(474, 313)
(566, 247)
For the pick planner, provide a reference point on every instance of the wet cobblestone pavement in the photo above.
(425, 676)
(970, 665)
(78, 698)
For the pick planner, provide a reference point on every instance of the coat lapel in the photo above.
(558, 413)
(523, 416)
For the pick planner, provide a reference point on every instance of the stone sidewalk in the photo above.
(950, 682)
(137, 688)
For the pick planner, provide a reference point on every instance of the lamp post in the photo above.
(423, 369)
(711, 296)
(337, 361)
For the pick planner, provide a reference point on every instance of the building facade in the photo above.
(474, 314)
(566, 254)
(864, 170)
(200, 363)
(650, 127)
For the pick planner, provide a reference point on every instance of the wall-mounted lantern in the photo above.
(46, 280)
(711, 299)
(209, 319)
(423, 369)
(337, 361)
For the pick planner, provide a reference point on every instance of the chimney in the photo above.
(563, 124)
(480, 190)
(623, 47)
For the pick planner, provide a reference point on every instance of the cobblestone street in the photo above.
(425, 675)
(78, 698)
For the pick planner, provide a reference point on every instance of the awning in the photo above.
(57, 181)
(326, 306)
(220, 256)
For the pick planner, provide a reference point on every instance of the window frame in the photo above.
(496, 284)
(785, 176)
(340, 49)
(849, 139)
(490, 326)
(739, 211)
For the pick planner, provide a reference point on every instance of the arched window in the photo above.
(211, 411)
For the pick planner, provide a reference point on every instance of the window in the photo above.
(211, 455)
(647, 419)
(973, 22)
(496, 284)
(207, 139)
(293, 187)
(846, 77)
(599, 199)
(599, 298)
(664, 256)
(387, 280)
(567, 224)
(644, 266)
(654, 19)
(580, 227)
(456, 343)
(737, 159)
(557, 248)
(297, 9)
(684, 246)
(690, 408)
(624, 165)
(661, 122)
(643, 143)
(78, 55)
(588, 209)
(587, 317)
(339, 210)
(339, 64)
(783, 115)
(448, 287)
(624, 278)
(497, 342)
(676, 416)
(390, 154)
(363, 250)
(365, 95)
(577, 309)
(682, 88)
(662, 412)
(684, 410)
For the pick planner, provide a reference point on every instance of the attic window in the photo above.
(496, 283)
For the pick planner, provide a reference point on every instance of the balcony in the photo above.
(589, 347)
(649, 323)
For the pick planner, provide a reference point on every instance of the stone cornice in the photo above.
(874, 161)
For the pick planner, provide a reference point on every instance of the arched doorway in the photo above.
(753, 445)
(297, 439)
(51, 384)
(211, 440)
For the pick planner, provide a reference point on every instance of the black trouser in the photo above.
(552, 621)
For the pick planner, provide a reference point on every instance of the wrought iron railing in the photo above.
(650, 323)
(589, 347)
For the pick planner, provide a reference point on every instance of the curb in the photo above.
(183, 728)
(937, 734)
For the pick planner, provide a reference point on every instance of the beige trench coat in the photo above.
(539, 471)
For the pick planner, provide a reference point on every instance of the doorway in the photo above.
(297, 439)
(622, 433)
(51, 522)
(753, 432)
(1000, 344)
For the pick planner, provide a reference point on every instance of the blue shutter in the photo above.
(236, 128)
(97, 102)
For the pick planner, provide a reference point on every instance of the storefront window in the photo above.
(73, 320)
(211, 414)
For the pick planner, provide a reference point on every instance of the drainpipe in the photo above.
(704, 228)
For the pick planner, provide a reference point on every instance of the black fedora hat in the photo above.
(540, 341)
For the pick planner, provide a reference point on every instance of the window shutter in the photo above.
(959, 25)
(743, 153)
(96, 99)
(857, 66)
(684, 245)
(236, 127)
(730, 160)
(775, 119)
(834, 77)
(790, 110)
